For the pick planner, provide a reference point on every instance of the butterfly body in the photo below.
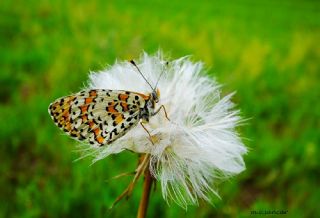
(101, 116)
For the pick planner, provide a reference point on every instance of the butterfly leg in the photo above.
(165, 111)
(150, 137)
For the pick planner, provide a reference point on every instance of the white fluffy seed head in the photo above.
(198, 146)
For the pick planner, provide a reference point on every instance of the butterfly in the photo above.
(101, 116)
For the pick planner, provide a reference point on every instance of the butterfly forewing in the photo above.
(97, 116)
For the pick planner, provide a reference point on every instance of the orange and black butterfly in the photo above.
(100, 116)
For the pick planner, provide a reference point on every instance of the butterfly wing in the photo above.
(97, 116)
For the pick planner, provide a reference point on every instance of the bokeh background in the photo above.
(268, 51)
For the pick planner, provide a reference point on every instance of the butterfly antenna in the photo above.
(167, 63)
(134, 64)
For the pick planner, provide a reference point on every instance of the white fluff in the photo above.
(198, 146)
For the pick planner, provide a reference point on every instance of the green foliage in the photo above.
(266, 50)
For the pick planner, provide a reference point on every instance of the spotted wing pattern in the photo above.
(98, 116)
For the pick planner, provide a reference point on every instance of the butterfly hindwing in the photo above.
(97, 116)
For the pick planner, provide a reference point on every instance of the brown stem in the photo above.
(143, 206)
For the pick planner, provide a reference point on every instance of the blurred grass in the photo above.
(266, 50)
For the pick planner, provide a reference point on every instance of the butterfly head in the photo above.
(155, 95)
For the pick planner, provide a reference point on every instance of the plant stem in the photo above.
(143, 206)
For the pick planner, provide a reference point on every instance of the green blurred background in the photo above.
(266, 50)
